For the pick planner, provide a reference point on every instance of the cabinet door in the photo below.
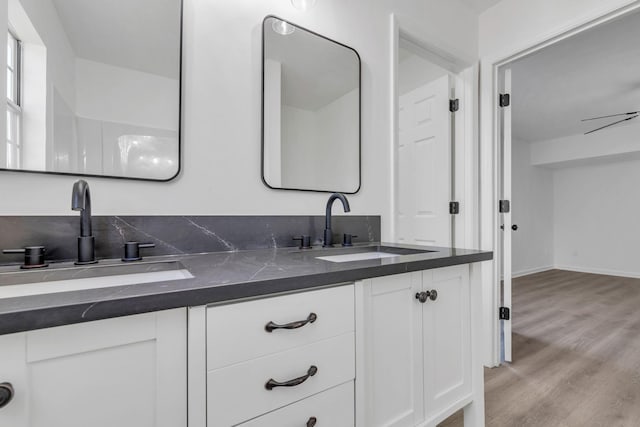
(447, 339)
(391, 352)
(126, 372)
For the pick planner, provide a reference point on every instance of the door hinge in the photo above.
(505, 313)
(454, 105)
(504, 206)
(454, 208)
(505, 99)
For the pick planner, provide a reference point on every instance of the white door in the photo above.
(126, 372)
(423, 184)
(505, 211)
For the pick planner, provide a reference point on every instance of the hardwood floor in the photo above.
(576, 352)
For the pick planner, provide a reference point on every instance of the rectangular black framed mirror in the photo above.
(94, 88)
(311, 105)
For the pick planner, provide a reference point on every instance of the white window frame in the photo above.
(14, 106)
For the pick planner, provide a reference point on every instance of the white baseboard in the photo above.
(529, 271)
(604, 271)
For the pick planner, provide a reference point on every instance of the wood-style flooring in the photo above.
(576, 354)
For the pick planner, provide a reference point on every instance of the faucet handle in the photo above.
(347, 239)
(33, 256)
(305, 241)
(132, 250)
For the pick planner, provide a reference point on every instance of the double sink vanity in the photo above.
(366, 335)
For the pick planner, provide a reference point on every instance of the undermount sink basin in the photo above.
(26, 283)
(371, 252)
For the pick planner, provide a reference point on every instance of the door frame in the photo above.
(465, 72)
(488, 161)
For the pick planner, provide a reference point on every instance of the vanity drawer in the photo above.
(331, 408)
(237, 393)
(236, 332)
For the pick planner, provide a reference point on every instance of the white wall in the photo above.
(121, 95)
(298, 145)
(317, 156)
(596, 218)
(532, 211)
(336, 143)
(580, 216)
(611, 144)
(48, 61)
(415, 71)
(221, 145)
(60, 57)
(513, 25)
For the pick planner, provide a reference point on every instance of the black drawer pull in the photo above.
(312, 422)
(271, 384)
(269, 327)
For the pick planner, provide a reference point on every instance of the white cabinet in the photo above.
(389, 367)
(265, 361)
(127, 372)
(416, 358)
(331, 408)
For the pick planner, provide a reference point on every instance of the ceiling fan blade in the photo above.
(611, 124)
(611, 115)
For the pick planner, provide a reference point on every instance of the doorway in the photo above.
(434, 134)
(568, 161)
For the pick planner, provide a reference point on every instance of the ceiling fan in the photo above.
(631, 115)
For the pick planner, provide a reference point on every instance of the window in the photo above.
(14, 109)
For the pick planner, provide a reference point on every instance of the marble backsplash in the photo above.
(175, 234)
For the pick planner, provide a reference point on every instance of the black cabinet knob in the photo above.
(33, 256)
(6, 394)
(132, 250)
(312, 422)
(427, 295)
(514, 227)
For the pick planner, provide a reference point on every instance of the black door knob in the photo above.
(6, 394)
(514, 227)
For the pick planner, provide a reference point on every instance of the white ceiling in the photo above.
(143, 35)
(315, 72)
(592, 74)
(480, 5)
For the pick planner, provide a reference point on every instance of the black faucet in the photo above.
(81, 201)
(328, 238)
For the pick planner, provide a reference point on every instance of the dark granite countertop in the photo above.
(218, 278)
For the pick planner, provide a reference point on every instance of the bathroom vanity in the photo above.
(271, 337)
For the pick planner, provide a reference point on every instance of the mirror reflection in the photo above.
(311, 110)
(93, 87)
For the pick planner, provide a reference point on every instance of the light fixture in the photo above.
(282, 27)
(303, 4)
